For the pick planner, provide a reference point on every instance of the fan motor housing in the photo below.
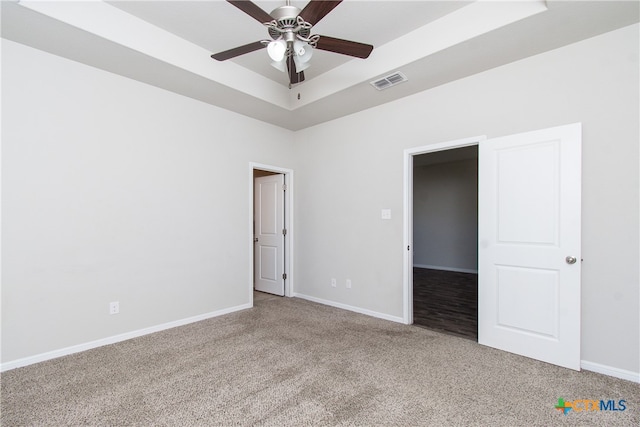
(286, 13)
(286, 18)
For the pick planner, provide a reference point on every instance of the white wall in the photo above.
(113, 190)
(350, 168)
(445, 215)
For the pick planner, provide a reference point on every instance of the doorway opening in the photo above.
(445, 241)
(271, 230)
(412, 156)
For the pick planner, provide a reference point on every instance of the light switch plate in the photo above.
(386, 214)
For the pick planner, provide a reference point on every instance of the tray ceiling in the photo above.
(168, 43)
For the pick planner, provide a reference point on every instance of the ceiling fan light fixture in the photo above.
(292, 44)
(303, 51)
(280, 65)
(277, 50)
(300, 66)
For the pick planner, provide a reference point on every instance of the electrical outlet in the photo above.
(114, 307)
(334, 283)
(348, 283)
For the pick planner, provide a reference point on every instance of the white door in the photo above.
(529, 189)
(269, 234)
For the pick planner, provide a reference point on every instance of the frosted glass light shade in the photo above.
(303, 51)
(276, 50)
(300, 66)
(280, 65)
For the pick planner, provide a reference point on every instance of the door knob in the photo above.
(255, 239)
(570, 260)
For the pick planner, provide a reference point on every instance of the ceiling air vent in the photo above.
(388, 81)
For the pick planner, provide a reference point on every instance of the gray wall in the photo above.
(445, 215)
(113, 190)
(339, 196)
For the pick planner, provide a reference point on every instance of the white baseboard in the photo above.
(586, 365)
(610, 371)
(116, 338)
(350, 308)
(439, 267)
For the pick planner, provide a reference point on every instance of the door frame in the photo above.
(407, 269)
(288, 224)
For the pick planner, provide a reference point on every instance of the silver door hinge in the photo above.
(284, 276)
(284, 231)
(284, 187)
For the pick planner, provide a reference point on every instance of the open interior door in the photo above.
(529, 190)
(269, 234)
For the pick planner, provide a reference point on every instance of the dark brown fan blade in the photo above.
(345, 47)
(315, 10)
(293, 76)
(252, 10)
(237, 51)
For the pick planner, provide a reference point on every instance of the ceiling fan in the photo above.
(291, 45)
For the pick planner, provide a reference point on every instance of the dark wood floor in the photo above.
(446, 301)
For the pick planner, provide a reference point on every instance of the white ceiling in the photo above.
(168, 44)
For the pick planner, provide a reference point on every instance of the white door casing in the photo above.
(529, 219)
(269, 238)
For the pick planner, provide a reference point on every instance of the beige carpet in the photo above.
(289, 362)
